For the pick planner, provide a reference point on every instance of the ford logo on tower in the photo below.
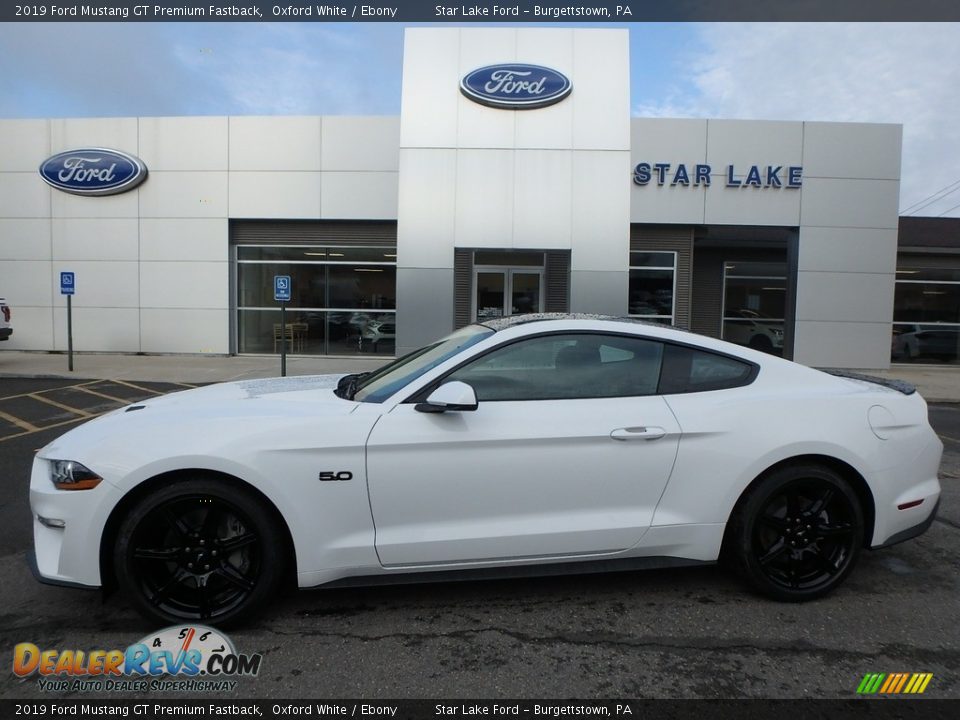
(93, 171)
(516, 86)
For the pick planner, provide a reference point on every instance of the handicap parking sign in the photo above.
(68, 283)
(281, 288)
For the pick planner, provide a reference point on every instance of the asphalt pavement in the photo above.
(693, 633)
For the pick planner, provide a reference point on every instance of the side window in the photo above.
(686, 370)
(572, 366)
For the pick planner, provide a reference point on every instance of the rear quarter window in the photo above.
(687, 369)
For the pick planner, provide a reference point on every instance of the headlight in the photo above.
(70, 475)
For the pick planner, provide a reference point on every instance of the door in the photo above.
(567, 454)
(507, 291)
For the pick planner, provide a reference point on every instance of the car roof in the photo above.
(570, 322)
(503, 323)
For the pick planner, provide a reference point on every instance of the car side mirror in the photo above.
(454, 395)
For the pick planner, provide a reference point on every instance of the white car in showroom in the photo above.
(519, 445)
(6, 329)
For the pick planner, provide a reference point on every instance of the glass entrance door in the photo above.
(754, 304)
(507, 291)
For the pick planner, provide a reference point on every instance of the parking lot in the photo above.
(669, 633)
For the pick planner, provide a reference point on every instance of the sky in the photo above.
(906, 73)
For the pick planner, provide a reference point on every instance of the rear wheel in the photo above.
(199, 550)
(797, 535)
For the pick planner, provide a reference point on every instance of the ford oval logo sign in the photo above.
(516, 86)
(93, 171)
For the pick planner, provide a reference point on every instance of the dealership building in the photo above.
(514, 180)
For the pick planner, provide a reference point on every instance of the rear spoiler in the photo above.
(899, 385)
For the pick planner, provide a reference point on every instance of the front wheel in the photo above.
(199, 550)
(797, 535)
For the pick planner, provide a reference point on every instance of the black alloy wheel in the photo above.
(798, 534)
(201, 550)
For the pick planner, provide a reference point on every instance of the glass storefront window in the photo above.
(754, 304)
(343, 300)
(651, 292)
(310, 254)
(255, 285)
(926, 316)
(362, 287)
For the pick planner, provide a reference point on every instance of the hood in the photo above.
(288, 389)
(241, 405)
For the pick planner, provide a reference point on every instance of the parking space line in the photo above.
(68, 408)
(136, 387)
(49, 427)
(947, 437)
(65, 387)
(103, 395)
(18, 422)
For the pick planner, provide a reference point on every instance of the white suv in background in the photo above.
(5, 328)
(750, 328)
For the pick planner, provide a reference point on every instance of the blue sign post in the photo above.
(282, 288)
(68, 286)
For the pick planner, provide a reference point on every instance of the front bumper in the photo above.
(35, 571)
(68, 555)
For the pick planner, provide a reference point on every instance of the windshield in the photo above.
(378, 386)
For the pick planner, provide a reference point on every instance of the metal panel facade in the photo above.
(446, 177)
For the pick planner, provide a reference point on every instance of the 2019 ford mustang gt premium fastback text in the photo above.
(561, 442)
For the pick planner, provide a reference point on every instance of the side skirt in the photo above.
(514, 571)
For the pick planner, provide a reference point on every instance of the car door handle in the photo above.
(638, 433)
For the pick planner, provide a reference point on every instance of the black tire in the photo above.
(797, 534)
(201, 550)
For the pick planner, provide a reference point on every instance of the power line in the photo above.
(948, 210)
(930, 199)
(945, 187)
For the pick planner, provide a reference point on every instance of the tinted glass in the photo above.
(651, 292)
(315, 332)
(925, 343)
(919, 273)
(525, 297)
(490, 289)
(362, 287)
(286, 253)
(652, 259)
(687, 369)
(511, 258)
(566, 367)
(926, 302)
(255, 285)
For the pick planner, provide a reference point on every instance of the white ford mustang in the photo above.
(535, 444)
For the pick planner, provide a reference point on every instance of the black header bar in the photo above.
(485, 11)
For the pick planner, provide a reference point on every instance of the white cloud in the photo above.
(876, 72)
(302, 69)
(115, 69)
